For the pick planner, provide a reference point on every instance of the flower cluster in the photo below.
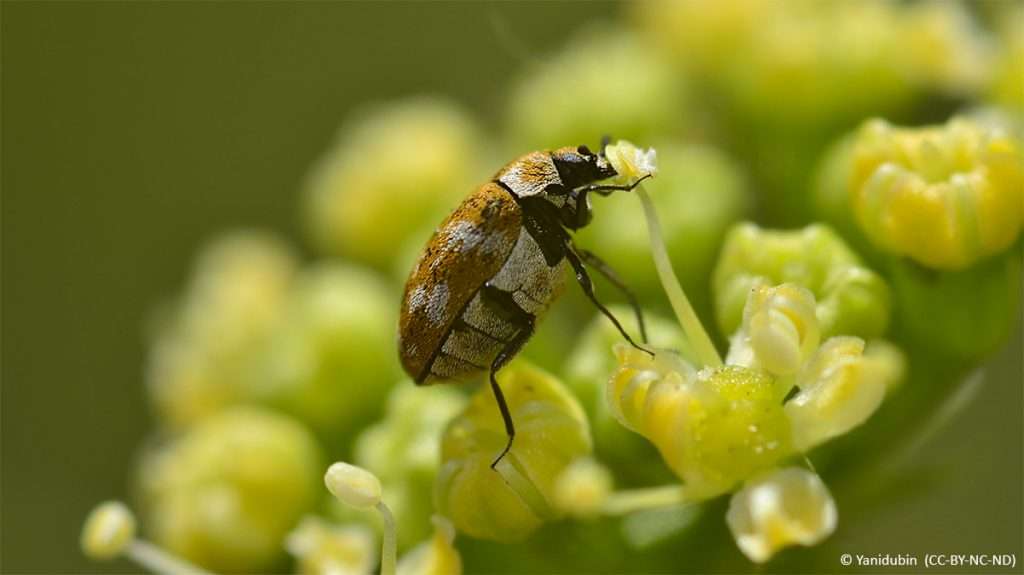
(267, 367)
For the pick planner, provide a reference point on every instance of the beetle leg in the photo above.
(503, 357)
(605, 189)
(524, 321)
(588, 288)
(602, 267)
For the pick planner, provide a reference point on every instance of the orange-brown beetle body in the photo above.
(496, 263)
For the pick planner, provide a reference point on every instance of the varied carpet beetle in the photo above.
(496, 263)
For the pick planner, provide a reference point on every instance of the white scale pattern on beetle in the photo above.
(434, 302)
(535, 185)
(527, 277)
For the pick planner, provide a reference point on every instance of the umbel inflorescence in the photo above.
(886, 246)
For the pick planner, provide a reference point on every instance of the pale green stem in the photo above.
(692, 327)
(628, 501)
(389, 550)
(159, 561)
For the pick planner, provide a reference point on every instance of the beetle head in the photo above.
(579, 166)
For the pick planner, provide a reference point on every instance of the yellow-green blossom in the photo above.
(785, 507)
(395, 169)
(843, 384)
(1006, 87)
(944, 48)
(509, 502)
(320, 548)
(331, 361)
(590, 365)
(206, 344)
(582, 488)
(787, 64)
(945, 196)
(404, 451)
(227, 492)
(851, 299)
(718, 426)
(436, 556)
(556, 103)
(713, 427)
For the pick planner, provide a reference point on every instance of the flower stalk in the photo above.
(688, 319)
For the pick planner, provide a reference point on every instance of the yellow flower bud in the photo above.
(779, 331)
(108, 530)
(583, 487)
(945, 196)
(555, 103)
(397, 167)
(840, 388)
(330, 362)
(321, 548)
(631, 162)
(354, 486)
(509, 502)
(203, 349)
(779, 509)
(227, 492)
(943, 47)
(437, 556)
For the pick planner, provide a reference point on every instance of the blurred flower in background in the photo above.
(877, 146)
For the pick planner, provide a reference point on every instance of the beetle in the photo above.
(494, 266)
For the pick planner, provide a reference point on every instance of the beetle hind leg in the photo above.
(503, 302)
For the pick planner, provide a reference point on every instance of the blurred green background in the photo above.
(134, 132)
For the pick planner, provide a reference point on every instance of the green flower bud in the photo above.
(206, 345)
(714, 428)
(840, 388)
(698, 193)
(400, 165)
(227, 492)
(404, 451)
(320, 548)
(851, 299)
(509, 502)
(778, 509)
(555, 105)
(331, 361)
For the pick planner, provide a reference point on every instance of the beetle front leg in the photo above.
(606, 189)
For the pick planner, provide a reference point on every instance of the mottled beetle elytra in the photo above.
(496, 264)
